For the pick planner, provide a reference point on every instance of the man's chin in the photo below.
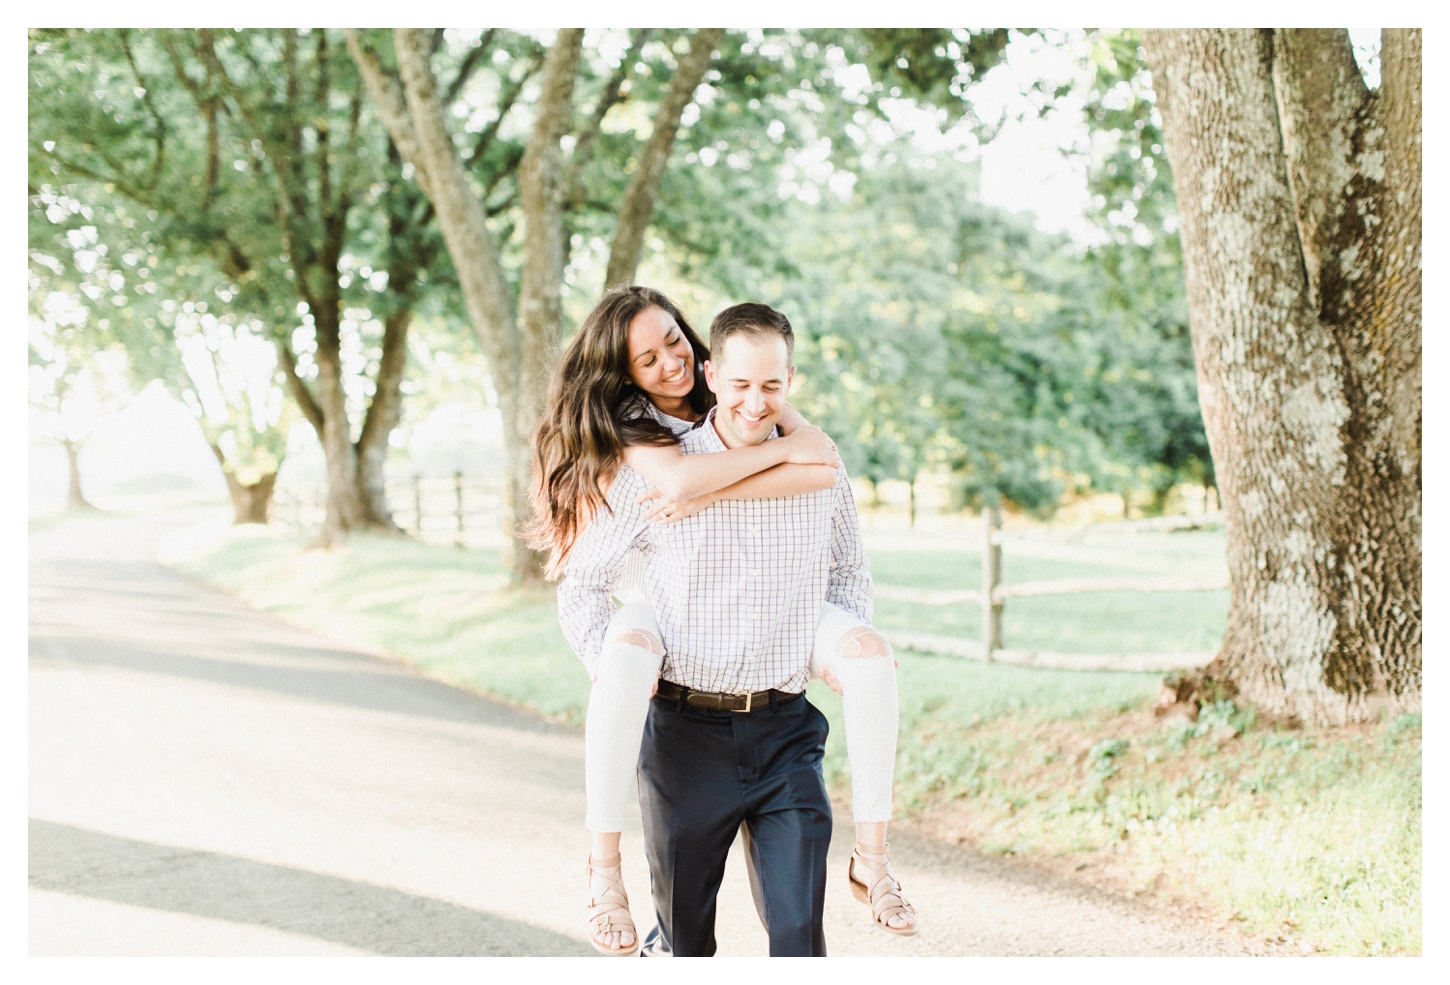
(753, 434)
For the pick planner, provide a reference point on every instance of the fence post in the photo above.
(991, 578)
(458, 495)
(418, 507)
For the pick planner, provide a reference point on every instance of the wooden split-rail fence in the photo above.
(993, 595)
(452, 510)
(436, 510)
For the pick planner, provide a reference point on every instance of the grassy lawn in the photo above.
(1100, 622)
(1310, 836)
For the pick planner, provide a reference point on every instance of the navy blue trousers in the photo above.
(703, 776)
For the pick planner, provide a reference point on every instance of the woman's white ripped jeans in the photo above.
(848, 653)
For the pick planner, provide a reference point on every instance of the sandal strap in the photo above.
(611, 901)
(885, 895)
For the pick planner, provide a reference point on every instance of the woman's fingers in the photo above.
(649, 494)
(814, 447)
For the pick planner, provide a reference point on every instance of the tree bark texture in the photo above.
(384, 412)
(644, 186)
(414, 115)
(251, 503)
(1299, 195)
(541, 193)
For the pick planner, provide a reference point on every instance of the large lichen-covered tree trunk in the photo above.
(1299, 192)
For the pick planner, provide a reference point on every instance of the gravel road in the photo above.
(206, 779)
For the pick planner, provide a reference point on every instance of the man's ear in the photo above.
(710, 376)
(790, 382)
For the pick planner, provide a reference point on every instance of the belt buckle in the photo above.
(749, 696)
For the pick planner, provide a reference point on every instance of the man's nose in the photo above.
(755, 402)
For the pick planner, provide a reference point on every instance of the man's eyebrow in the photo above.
(746, 379)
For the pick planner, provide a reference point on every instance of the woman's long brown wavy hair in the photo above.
(593, 413)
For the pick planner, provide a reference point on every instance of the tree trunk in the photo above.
(75, 501)
(346, 508)
(541, 193)
(639, 198)
(384, 412)
(251, 503)
(414, 116)
(1299, 192)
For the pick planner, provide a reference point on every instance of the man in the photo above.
(731, 743)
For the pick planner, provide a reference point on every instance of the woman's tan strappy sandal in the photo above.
(883, 895)
(609, 911)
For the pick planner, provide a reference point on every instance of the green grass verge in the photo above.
(1098, 622)
(1311, 836)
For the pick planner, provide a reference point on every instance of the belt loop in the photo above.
(680, 698)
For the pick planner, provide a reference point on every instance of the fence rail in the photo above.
(993, 594)
(453, 510)
(435, 509)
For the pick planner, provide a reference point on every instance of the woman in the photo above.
(629, 384)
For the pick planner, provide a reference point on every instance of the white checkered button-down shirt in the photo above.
(737, 588)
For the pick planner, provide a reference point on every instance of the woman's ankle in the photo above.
(604, 844)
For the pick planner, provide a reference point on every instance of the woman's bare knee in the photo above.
(640, 638)
(862, 641)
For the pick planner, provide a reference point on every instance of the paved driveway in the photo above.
(206, 779)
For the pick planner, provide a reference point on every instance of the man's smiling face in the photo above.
(750, 376)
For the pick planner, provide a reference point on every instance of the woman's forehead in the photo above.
(649, 329)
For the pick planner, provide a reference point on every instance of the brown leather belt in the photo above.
(671, 691)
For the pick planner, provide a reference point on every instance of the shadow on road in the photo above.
(182, 880)
(138, 615)
(370, 690)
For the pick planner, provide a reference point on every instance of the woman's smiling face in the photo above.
(661, 360)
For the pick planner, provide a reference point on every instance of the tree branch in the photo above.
(324, 93)
(290, 203)
(298, 388)
(130, 191)
(1322, 99)
(505, 104)
(150, 104)
(206, 104)
(470, 62)
(609, 96)
(387, 95)
(639, 199)
(541, 187)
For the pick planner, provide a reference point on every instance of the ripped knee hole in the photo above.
(641, 639)
(863, 641)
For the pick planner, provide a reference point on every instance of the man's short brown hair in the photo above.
(758, 321)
